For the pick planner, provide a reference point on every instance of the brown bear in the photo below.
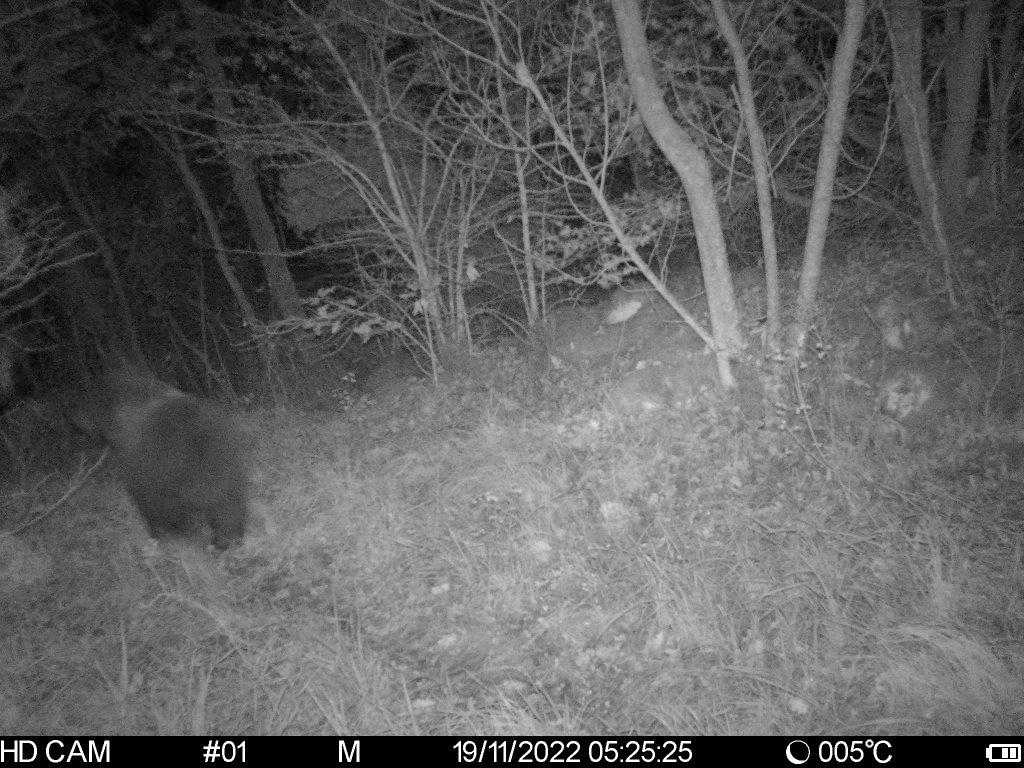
(181, 457)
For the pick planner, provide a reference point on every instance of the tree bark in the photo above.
(199, 198)
(759, 162)
(692, 168)
(963, 81)
(244, 179)
(903, 21)
(828, 155)
(244, 305)
(1009, 72)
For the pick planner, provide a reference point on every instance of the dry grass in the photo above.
(509, 554)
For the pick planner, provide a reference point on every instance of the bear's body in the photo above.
(181, 457)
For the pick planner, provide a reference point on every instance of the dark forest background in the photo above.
(233, 193)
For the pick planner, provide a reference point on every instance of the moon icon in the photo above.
(798, 752)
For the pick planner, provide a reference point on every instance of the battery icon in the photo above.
(1003, 753)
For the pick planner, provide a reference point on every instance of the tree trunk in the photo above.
(903, 20)
(963, 80)
(1009, 71)
(199, 198)
(762, 181)
(244, 305)
(244, 180)
(691, 166)
(828, 154)
(528, 280)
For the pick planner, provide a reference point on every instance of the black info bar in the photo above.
(313, 751)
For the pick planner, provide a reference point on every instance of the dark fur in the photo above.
(181, 457)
